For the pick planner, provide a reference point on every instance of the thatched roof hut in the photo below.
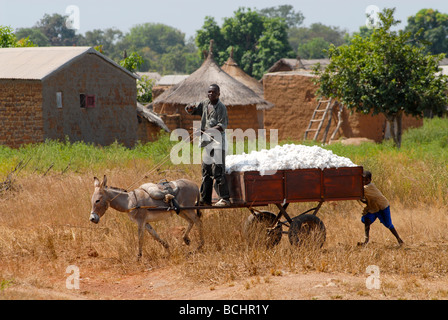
(243, 104)
(194, 88)
(286, 64)
(232, 69)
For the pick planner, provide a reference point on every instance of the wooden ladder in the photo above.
(322, 110)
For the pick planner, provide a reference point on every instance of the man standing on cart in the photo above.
(214, 121)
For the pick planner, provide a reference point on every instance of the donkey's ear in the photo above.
(104, 183)
(96, 182)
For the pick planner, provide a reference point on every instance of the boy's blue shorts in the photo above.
(382, 215)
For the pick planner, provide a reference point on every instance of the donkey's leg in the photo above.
(201, 233)
(154, 234)
(141, 236)
(187, 232)
(192, 218)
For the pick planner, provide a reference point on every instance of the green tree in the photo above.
(313, 49)
(300, 37)
(132, 62)
(286, 12)
(34, 35)
(106, 38)
(144, 84)
(257, 41)
(272, 46)
(385, 74)
(9, 40)
(192, 59)
(162, 48)
(144, 90)
(210, 31)
(159, 37)
(364, 32)
(431, 26)
(55, 30)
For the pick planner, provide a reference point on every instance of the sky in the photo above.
(188, 15)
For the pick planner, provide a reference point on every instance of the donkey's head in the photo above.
(99, 200)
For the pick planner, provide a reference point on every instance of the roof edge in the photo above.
(91, 50)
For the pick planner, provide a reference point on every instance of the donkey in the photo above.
(148, 195)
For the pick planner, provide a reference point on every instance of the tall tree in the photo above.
(210, 31)
(33, 34)
(55, 29)
(293, 19)
(162, 48)
(302, 39)
(156, 36)
(9, 40)
(385, 73)
(431, 26)
(106, 38)
(257, 41)
(313, 49)
(272, 46)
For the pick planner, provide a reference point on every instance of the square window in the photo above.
(87, 100)
(90, 101)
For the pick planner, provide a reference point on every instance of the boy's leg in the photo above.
(386, 220)
(367, 224)
(395, 233)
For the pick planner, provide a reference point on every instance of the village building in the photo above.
(232, 69)
(294, 95)
(59, 92)
(150, 125)
(153, 76)
(166, 82)
(242, 102)
(288, 64)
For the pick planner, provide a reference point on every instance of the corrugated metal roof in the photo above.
(36, 63)
(170, 80)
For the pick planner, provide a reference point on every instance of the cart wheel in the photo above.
(256, 229)
(307, 229)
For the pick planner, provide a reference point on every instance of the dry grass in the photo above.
(44, 227)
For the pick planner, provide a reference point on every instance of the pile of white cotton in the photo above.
(289, 156)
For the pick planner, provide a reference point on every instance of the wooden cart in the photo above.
(250, 189)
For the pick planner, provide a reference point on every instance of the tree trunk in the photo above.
(395, 123)
(399, 128)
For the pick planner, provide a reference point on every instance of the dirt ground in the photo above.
(168, 284)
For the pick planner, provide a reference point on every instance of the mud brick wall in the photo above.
(114, 117)
(21, 119)
(147, 131)
(240, 117)
(243, 117)
(29, 111)
(293, 94)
